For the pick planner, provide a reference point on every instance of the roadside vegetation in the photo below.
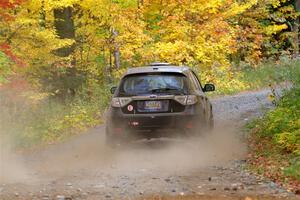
(30, 119)
(275, 138)
(267, 74)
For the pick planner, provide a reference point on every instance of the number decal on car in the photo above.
(130, 108)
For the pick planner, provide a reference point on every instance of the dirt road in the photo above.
(83, 168)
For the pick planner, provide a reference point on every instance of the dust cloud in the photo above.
(12, 167)
(178, 155)
(88, 154)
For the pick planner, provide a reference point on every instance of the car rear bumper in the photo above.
(153, 124)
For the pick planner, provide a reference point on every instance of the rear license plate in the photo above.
(153, 105)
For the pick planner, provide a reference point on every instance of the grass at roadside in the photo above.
(29, 119)
(247, 77)
(275, 139)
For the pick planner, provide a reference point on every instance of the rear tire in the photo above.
(208, 126)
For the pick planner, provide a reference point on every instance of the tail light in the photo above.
(120, 102)
(187, 99)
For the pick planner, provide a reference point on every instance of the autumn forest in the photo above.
(91, 42)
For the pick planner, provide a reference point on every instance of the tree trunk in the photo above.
(65, 29)
(140, 3)
(116, 49)
(296, 31)
(43, 15)
(69, 81)
(296, 39)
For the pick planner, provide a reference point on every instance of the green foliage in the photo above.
(5, 68)
(246, 77)
(282, 125)
(293, 170)
(36, 119)
(271, 71)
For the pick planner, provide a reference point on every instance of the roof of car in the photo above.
(157, 67)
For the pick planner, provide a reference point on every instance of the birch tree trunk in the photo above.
(116, 51)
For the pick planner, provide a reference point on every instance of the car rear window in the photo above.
(154, 83)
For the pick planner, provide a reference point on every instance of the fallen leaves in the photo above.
(265, 159)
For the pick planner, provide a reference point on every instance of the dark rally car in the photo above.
(159, 100)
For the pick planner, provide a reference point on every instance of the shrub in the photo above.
(35, 118)
(282, 125)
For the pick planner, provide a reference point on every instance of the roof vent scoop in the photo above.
(159, 64)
